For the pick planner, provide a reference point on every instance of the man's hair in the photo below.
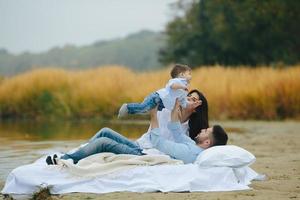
(219, 136)
(179, 68)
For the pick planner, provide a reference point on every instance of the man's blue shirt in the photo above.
(184, 148)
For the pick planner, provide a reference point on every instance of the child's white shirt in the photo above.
(169, 95)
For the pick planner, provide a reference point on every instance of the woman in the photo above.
(193, 120)
(107, 140)
(198, 120)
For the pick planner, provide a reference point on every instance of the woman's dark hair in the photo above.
(199, 119)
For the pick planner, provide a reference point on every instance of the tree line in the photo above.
(234, 32)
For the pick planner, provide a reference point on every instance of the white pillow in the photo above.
(225, 156)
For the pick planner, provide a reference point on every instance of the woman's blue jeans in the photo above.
(105, 140)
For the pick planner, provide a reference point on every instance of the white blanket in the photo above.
(30, 178)
(105, 163)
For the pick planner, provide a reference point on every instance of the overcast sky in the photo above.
(38, 25)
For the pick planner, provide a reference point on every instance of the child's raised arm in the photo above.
(176, 86)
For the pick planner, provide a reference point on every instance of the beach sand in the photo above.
(276, 146)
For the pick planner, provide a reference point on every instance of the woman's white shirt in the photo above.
(163, 118)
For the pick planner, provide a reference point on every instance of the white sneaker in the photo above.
(123, 111)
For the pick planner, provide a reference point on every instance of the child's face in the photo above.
(187, 74)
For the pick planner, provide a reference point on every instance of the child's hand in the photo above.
(176, 86)
(187, 87)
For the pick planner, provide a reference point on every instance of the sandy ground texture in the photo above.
(276, 146)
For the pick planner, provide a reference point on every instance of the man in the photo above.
(184, 148)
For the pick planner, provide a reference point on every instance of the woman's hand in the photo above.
(193, 104)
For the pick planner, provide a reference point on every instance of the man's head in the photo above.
(213, 136)
(181, 71)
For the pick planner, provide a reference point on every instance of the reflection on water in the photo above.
(25, 141)
(74, 130)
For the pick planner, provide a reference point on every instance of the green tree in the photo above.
(234, 32)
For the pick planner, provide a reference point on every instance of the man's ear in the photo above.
(207, 143)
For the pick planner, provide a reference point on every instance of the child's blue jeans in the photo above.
(150, 102)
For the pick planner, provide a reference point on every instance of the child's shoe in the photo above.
(123, 111)
(51, 161)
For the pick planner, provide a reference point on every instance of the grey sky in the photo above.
(38, 25)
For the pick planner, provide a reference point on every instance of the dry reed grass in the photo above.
(232, 93)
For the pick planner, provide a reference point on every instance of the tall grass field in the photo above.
(232, 93)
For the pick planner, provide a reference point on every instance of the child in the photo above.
(176, 88)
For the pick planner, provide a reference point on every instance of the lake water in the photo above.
(24, 142)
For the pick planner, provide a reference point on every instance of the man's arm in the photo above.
(176, 150)
(153, 118)
(175, 126)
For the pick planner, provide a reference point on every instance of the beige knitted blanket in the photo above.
(105, 163)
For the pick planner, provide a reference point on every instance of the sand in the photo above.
(276, 146)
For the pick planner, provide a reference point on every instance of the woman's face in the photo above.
(193, 97)
(194, 102)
